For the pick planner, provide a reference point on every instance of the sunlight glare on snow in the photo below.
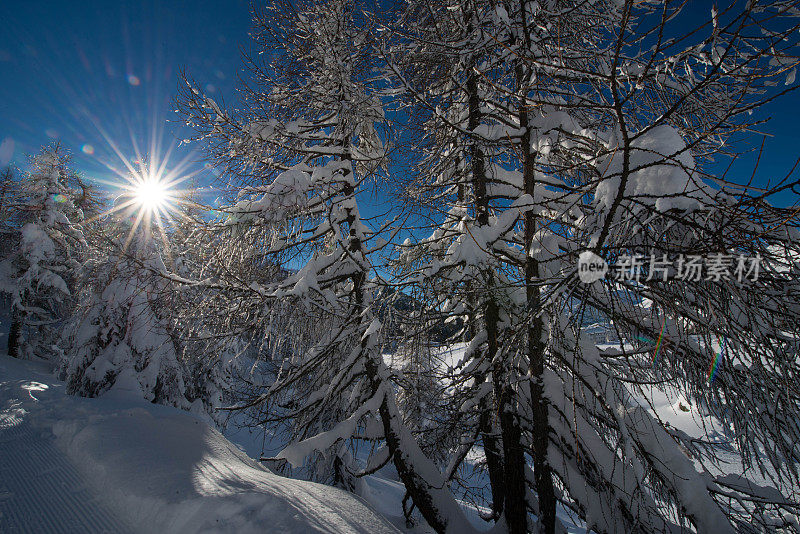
(34, 387)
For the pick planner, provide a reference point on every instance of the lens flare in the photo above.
(151, 194)
(712, 371)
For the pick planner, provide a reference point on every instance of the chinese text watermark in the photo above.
(692, 268)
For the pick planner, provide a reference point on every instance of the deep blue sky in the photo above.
(102, 72)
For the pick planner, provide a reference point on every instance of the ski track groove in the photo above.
(40, 490)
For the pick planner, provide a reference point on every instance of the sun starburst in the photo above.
(151, 194)
(149, 199)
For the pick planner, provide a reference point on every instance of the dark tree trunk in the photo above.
(514, 488)
(418, 489)
(514, 465)
(543, 477)
(505, 498)
(486, 421)
(14, 333)
(432, 498)
(494, 460)
(403, 448)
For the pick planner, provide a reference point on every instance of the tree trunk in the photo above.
(433, 498)
(14, 333)
(505, 474)
(486, 419)
(536, 351)
(541, 431)
(494, 460)
(514, 487)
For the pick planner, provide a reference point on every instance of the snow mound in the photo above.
(162, 470)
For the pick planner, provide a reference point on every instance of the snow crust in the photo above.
(158, 469)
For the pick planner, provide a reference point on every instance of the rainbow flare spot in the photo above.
(712, 371)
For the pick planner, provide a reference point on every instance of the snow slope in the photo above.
(117, 464)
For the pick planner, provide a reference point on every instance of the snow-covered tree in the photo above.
(9, 189)
(541, 134)
(9, 240)
(560, 129)
(39, 271)
(207, 337)
(307, 143)
(119, 340)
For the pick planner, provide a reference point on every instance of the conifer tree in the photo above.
(39, 271)
(120, 339)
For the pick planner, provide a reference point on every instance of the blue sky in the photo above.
(101, 74)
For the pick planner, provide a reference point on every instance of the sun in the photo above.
(151, 193)
(148, 201)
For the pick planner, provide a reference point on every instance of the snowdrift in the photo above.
(143, 468)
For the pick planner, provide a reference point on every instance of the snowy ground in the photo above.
(118, 464)
(382, 490)
(115, 464)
